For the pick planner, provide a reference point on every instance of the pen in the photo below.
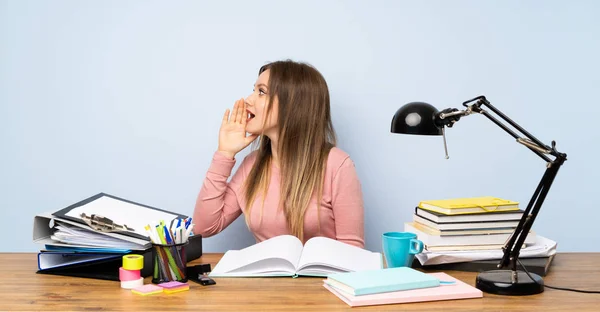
(150, 234)
(155, 232)
(187, 233)
(166, 240)
(147, 229)
(172, 227)
(178, 227)
(191, 230)
(168, 236)
(161, 235)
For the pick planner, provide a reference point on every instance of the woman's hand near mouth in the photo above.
(232, 135)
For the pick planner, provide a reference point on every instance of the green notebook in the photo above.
(380, 281)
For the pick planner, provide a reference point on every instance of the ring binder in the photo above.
(103, 224)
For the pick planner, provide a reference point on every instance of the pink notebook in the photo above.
(458, 290)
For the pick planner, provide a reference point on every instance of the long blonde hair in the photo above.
(306, 136)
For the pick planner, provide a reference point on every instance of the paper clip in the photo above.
(103, 224)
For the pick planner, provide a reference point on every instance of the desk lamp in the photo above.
(424, 119)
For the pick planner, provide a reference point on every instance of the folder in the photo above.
(44, 227)
(57, 259)
(120, 211)
(107, 266)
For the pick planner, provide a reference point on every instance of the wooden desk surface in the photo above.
(22, 289)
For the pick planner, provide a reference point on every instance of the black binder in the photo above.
(108, 269)
(63, 212)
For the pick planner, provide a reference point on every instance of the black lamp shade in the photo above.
(416, 118)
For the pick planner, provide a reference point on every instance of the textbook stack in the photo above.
(477, 223)
(467, 234)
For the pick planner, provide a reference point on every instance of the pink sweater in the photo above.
(219, 203)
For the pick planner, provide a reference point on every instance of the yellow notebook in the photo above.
(455, 206)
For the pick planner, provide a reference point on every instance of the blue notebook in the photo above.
(382, 280)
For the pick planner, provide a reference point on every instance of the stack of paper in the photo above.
(543, 247)
(75, 236)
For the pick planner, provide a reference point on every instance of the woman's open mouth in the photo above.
(249, 116)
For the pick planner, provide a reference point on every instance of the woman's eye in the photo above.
(260, 91)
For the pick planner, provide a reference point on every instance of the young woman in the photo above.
(296, 181)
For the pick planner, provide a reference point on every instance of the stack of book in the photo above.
(477, 223)
(460, 228)
(396, 285)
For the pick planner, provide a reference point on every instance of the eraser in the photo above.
(147, 289)
(173, 284)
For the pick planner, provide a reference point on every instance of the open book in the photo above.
(285, 256)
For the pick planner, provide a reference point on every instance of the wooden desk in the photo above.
(22, 289)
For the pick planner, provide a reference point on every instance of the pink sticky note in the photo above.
(173, 284)
(147, 289)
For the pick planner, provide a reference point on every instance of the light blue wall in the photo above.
(126, 97)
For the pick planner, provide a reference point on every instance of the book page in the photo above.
(322, 252)
(285, 250)
(264, 267)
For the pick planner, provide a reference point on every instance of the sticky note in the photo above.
(173, 284)
(147, 289)
(170, 291)
(173, 287)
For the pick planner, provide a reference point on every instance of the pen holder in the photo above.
(169, 263)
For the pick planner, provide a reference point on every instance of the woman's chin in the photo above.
(252, 131)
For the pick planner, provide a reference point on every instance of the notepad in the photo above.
(174, 286)
(454, 206)
(382, 280)
(147, 289)
(457, 290)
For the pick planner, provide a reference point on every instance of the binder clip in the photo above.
(103, 224)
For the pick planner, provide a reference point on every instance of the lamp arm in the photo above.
(513, 246)
(534, 144)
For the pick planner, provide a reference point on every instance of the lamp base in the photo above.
(500, 282)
